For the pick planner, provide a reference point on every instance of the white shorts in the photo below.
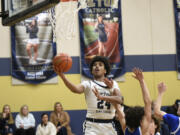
(33, 41)
(94, 128)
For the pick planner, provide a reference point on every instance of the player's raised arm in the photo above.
(62, 63)
(145, 92)
(157, 104)
(74, 88)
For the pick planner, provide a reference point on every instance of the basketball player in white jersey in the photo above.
(100, 112)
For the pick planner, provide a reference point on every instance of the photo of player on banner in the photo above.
(33, 49)
(101, 35)
(103, 39)
(102, 31)
(177, 21)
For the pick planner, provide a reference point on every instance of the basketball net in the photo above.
(63, 19)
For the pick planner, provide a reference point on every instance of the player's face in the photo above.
(98, 69)
(45, 119)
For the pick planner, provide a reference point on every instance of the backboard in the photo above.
(13, 11)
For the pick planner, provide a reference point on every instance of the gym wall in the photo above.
(149, 43)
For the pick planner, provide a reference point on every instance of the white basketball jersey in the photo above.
(98, 109)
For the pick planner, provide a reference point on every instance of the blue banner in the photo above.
(33, 49)
(101, 34)
(177, 22)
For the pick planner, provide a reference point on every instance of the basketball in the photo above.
(62, 62)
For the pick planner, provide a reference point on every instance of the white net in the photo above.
(52, 19)
(63, 18)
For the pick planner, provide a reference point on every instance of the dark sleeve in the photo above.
(172, 121)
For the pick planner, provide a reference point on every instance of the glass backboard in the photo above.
(14, 11)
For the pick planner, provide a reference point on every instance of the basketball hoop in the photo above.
(63, 18)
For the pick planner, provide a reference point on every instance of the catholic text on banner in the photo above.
(33, 49)
(101, 34)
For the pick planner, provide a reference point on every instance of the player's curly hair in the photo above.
(133, 116)
(101, 59)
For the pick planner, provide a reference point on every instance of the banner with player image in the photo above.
(33, 49)
(177, 22)
(101, 34)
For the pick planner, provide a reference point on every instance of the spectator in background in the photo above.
(6, 121)
(46, 127)
(25, 122)
(61, 120)
(174, 108)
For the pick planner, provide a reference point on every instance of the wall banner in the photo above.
(177, 24)
(101, 34)
(33, 49)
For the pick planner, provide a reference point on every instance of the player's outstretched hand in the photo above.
(58, 71)
(138, 74)
(97, 93)
(161, 87)
(108, 82)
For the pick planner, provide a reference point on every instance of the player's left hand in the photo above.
(96, 92)
(108, 82)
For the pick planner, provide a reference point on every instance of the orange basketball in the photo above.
(62, 62)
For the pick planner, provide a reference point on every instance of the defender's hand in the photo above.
(138, 74)
(97, 93)
(108, 82)
(161, 87)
